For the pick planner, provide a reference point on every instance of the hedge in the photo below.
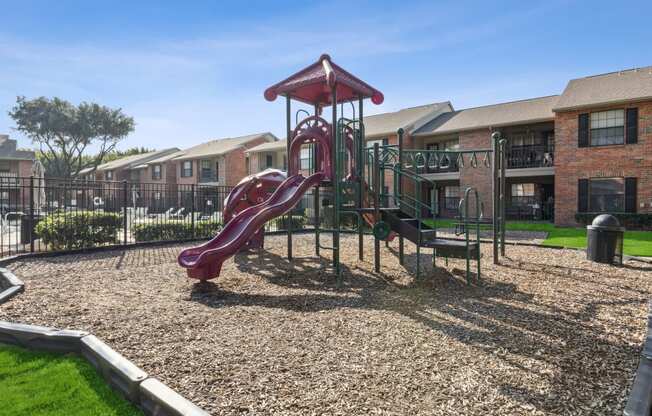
(629, 220)
(175, 230)
(79, 229)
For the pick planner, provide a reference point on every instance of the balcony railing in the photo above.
(530, 156)
(8, 178)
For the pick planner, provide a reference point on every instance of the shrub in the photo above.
(175, 230)
(79, 229)
(629, 220)
(298, 222)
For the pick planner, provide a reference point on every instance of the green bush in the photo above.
(298, 222)
(79, 229)
(629, 220)
(175, 230)
(347, 221)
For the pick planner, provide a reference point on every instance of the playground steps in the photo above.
(408, 226)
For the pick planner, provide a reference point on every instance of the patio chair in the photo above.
(179, 215)
(163, 215)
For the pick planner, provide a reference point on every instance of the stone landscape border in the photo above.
(639, 402)
(10, 285)
(153, 397)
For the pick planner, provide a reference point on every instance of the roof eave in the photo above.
(601, 104)
(487, 126)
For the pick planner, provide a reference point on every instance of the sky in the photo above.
(193, 71)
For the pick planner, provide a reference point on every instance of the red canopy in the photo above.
(313, 85)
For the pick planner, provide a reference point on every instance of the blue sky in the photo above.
(191, 71)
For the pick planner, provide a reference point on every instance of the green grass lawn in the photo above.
(37, 383)
(637, 243)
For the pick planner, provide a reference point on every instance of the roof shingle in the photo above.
(611, 88)
(495, 115)
(408, 118)
(221, 146)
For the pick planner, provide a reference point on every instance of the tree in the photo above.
(66, 133)
(119, 154)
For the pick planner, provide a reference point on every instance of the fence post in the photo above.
(124, 211)
(192, 210)
(31, 214)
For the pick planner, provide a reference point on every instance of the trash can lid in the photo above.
(606, 222)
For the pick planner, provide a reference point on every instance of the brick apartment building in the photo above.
(586, 150)
(218, 162)
(603, 133)
(14, 164)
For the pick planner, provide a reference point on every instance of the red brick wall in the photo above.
(573, 163)
(235, 163)
(479, 177)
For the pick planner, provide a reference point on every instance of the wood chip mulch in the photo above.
(546, 333)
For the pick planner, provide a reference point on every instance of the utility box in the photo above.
(604, 240)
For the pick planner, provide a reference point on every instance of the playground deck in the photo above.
(547, 333)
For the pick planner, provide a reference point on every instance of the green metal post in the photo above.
(336, 136)
(401, 246)
(501, 149)
(376, 184)
(316, 201)
(288, 119)
(417, 187)
(359, 161)
(495, 190)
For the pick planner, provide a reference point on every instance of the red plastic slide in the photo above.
(205, 262)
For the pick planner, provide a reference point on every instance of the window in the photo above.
(522, 189)
(607, 195)
(134, 175)
(186, 169)
(607, 127)
(451, 197)
(156, 172)
(109, 175)
(269, 161)
(247, 165)
(451, 144)
(4, 198)
(523, 194)
(306, 158)
(206, 171)
(157, 196)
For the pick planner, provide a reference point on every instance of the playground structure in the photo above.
(353, 177)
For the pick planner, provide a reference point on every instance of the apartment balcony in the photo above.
(533, 156)
(530, 160)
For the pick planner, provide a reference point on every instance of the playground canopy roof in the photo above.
(313, 85)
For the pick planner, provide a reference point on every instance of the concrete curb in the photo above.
(10, 285)
(152, 396)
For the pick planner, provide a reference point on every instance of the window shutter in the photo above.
(630, 194)
(583, 195)
(631, 123)
(583, 130)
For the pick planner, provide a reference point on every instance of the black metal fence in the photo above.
(59, 215)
